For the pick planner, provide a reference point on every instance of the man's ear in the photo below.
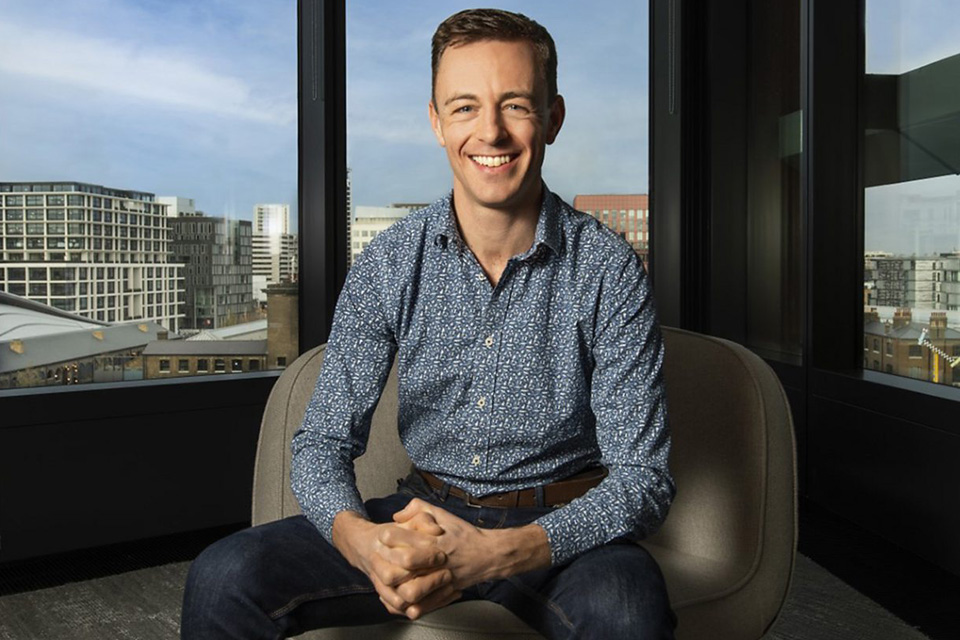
(435, 123)
(555, 118)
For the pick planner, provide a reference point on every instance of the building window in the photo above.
(253, 365)
(183, 366)
(203, 365)
(236, 364)
(916, 351)
(164, 366)
(281, 361)
(219, 365)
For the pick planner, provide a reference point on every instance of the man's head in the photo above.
(495, 107)
(475, 25)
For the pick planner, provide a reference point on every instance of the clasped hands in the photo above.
(426, 557)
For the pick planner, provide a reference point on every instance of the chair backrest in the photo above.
(384, 462)
(733, 452)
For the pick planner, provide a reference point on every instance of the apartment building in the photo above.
(99, 252)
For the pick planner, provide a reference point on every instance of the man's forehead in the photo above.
(513, 52)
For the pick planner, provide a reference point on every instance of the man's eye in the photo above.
(516, 107)
(463, 109)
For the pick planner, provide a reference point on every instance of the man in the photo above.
(530, 397)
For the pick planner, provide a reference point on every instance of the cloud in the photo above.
(123, 68)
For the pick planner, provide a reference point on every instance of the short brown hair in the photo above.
(473, 25)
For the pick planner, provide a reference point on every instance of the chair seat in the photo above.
(476, 620)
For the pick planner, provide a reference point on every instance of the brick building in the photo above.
(628, 215)
(913, 349)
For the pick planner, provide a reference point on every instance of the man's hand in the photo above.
(475, 555)
(405, 564)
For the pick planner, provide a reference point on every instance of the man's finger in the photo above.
(413, 560)
(439, 598)
(396, 536)
(418, 588)
(423, 523)
(411, 509)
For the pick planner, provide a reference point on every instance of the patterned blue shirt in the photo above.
(555, 369)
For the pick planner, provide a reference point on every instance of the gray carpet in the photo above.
(145, 605)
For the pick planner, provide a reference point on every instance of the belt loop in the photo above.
(444, 491)
(541, 502)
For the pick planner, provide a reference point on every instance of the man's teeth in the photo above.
(491, 161)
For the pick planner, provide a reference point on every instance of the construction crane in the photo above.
(924, 342)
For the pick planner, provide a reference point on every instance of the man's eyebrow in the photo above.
(460, 96)
(509, 95)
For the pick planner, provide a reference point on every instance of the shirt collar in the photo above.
(548, 233)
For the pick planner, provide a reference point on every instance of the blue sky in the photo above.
(197, 98)
(173, 97)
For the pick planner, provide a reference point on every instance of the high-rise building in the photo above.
(274, 248)
(98, 252)
(218, 269)
(628, 215)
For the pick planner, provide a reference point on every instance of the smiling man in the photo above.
(531, 398)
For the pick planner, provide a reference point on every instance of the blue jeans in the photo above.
(283, 578)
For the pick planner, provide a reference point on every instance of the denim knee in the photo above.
(222, 579)
(627, 597)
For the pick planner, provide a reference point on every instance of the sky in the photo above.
(173, 97)
(197, 98)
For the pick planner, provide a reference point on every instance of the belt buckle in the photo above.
(468, 501)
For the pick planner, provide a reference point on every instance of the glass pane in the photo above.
(912, 192)
(169, 235)
(774, 159)
(599, 161)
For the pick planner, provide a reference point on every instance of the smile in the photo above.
(492, 161)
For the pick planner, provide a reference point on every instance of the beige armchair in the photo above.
(727, 547)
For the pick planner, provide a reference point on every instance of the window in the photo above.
(112, 214)
(236, 364)
(203, 365)
(253, 365)
(911, 196)
(219, 365)
(164, 366)
(183, 365)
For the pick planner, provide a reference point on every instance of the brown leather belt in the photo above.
(554, 495)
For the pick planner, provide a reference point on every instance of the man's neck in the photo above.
(496, 235)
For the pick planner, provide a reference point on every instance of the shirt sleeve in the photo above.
(629, 403)
(336, 425)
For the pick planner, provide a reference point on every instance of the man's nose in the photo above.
(490, 127)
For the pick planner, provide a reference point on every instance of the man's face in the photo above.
(492, 117)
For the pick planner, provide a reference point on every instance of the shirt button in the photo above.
(488, 341)
(476, 461)
(480, 276)
(482, 402)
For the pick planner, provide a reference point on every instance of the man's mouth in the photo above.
(493, 161)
